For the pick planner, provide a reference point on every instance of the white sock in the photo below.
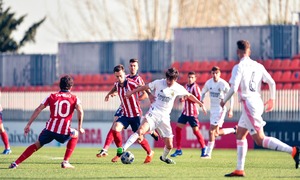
(276, 144)
(242, 148)
(165, 153)
(210, 147)
(130, 141)
(228, 130)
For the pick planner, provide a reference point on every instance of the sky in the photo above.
(90, 21)
(66, 21)
(35, 10)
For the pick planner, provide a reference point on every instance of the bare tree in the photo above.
(154, 19)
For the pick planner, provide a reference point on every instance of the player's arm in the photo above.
(194, 99)
(80, 114)
(272, 87)
(143, 95)
(138, 89)
(204, 91)
(230, 111)
(34, 115)
(235, 81)
(110, 93)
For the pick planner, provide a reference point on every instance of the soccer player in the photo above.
(247, 76)
(131, 111)
(217, 88)
(189, 114)
(158, 116)
(4, 136)
(62, 105)
(133, 68)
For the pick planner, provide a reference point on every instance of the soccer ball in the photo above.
(127, 157)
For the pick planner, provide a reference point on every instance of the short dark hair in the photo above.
(118, 68)
(66, 82)
(133, 60)
(192, 73)
(243, 45)
(215, 68)
(172, 74)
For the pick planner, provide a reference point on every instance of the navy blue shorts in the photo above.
(133, 122)
(193, 121)
(47, 136)
(119, 112)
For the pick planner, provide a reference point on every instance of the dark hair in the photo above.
(192, 73)
(243, 45)
(118, 68)
(133, 61)
(215, 68)
(172, 74)
(66, 82)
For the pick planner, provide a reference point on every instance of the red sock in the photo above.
(28, 152)
(109, 139)
(199, 137)
(117, 138)
(5, 139)
(146, 146)
(178, 137)
(70, 148)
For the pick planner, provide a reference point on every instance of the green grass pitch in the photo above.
(45, 164)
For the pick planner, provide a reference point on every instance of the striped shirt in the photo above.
(130, 106)
(190, 108)
(62, 106)
(137, 78)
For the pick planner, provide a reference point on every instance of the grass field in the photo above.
(45, 164)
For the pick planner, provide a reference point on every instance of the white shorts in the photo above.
(251, 119)
(159, 121)
(217, 116)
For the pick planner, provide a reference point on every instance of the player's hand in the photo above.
(82, 131)
(204, 110)
(114, 94)
(182, 99)
(26, 129)
(230, 113)
(222, 104)
(151, 98)
(106, 98)
(128, 94)
(270, 105)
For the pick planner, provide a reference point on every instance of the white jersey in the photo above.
(217, 91)
(165, 96)
(247, 76)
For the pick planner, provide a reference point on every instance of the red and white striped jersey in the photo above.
(130, 106)
(137, 78)
(190, 108)
(62, 106)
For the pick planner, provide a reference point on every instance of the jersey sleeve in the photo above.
(152, 85)
(268, 79)
(78, 101)
(140, 81)
(46, 101)
(204, 90)
(236, 77)
(197, 92)
(181, 90)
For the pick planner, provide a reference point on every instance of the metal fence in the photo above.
(29, 69)
(102, 57)
(189, 44)
(20, 105)
(219, 43)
